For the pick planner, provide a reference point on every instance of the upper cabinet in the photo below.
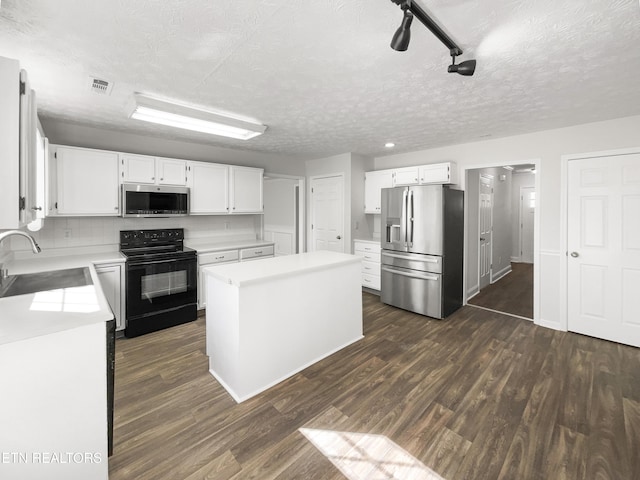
(84, 182)
(406, 176)
(374, 183)
(209, 187)
(22, 169)
(246, 189)
(439, 173)
(153, 170)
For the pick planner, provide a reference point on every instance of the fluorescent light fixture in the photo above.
(389, 144)
(152, 110)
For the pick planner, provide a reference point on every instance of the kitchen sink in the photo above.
(44, 281)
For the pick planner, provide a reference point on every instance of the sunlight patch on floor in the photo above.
(362, 456)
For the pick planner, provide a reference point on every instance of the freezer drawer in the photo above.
(412, 261)
(419, 292)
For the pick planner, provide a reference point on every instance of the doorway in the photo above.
(284, 213)
(499, 237)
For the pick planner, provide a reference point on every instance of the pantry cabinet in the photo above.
(85, 182)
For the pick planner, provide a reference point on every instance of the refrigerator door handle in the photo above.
(421, 276)
(404, 257)
(403, 217)
(410, 219)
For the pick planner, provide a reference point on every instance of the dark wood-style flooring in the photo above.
(477, 396)
(512, 294)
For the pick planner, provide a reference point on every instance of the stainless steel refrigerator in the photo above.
(422, 249)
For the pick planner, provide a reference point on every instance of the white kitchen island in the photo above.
(269, 319)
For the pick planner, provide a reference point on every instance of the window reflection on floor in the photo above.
(362, 456)
(73, 299)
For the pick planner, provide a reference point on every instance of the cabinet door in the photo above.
(437, 173)
(171, 171)
(87, 182)
(110, 277)
(246, 189)
(406, 176)
(209, 184)
(138, 168)
(374, 183)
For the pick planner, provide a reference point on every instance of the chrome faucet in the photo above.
(34, 246)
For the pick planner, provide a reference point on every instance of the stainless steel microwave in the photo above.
(154, 201)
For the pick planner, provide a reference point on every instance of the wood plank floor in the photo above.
(512, 294)
(477, 396)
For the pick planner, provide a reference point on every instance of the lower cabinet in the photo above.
(112, 282)
(208, 259)
(370, 253)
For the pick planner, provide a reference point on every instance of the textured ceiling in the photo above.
(321, 73)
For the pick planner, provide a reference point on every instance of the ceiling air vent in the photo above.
(102, 87)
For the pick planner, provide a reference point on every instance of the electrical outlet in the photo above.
(67, 233)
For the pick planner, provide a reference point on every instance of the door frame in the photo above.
(345, 222)
(536, 225)
(564, 222)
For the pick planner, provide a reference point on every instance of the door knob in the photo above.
(338, 237)
(575, 254)
(482, 239)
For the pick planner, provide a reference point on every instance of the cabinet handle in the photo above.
(36, 208)
(153, 178)
(161, 178)
(115, 208)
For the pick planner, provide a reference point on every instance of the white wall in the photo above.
(546, 146)
(280, 213)
(83, 136)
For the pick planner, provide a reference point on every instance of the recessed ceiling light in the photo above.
(389, 144)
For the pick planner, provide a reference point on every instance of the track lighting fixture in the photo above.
(400, 41)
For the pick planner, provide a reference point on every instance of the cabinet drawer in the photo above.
(218, 257)
(369, 257)
(371, 281)
(367, 247)
(249, 253)
(370, 268)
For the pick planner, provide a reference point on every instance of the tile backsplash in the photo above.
(65, 232)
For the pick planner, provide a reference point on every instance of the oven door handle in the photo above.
(144, 263)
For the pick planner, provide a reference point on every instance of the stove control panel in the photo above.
(144, 238)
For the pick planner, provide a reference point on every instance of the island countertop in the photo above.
(246, 273)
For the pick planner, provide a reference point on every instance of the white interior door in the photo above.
(527, 215)
(327, 213)
(486, 230)
(604, 247)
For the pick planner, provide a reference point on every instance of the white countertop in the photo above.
(204, 245)
(36, 314)
(368, 240)
(252, 272)
(43, 263)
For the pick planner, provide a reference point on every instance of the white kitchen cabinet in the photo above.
(246, 189)
(209, 188)
(445, 173)
(22, 173)
(112, 282)
(406, 176)
(171, 171)
(208, 259)
(374, 183)
(86, 182)
(152, 170)
(138, 168)
(370, 253)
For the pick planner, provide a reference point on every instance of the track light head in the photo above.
(400, 40)
(466, 68)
